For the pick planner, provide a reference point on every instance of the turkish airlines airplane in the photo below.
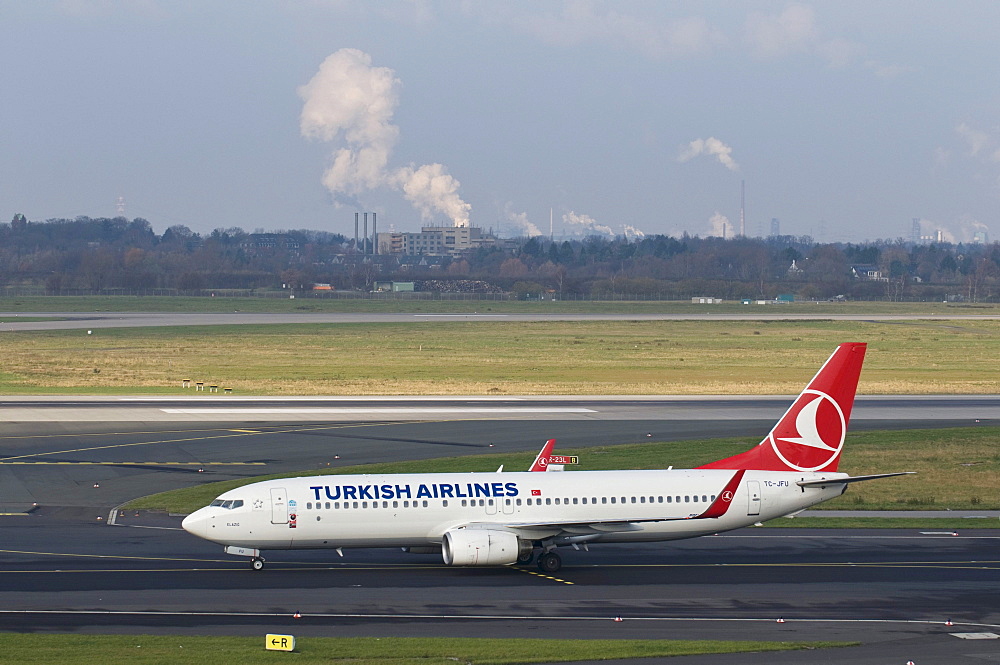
(502, 518)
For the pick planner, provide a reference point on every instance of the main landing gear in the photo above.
(549, 562)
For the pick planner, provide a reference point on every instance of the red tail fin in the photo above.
(810, 436)
(541, 462)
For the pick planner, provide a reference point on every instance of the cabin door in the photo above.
(753, 497)
(279, 506)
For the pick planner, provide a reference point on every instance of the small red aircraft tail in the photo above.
(541, 462)
(810, 436)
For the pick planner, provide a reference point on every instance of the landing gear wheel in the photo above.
(550, 562)
(525, 557)
(257, 563)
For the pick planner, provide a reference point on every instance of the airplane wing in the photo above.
(718, 508)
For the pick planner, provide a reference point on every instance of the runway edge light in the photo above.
(274, 642)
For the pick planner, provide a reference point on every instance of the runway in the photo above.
(98, 320)
(63, 570)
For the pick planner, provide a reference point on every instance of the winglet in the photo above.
(541, 462)
(725, 498)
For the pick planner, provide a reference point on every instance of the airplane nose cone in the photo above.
(196, 524)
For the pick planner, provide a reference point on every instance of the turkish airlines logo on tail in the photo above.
(811, 435)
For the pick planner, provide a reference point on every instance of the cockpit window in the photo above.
(229, 504)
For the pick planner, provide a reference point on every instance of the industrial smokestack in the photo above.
(743, 201)
(356, 231)
(366, 233)
(374, 233)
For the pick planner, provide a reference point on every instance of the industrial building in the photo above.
(435, 241)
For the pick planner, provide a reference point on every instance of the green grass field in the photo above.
(502, 358)
(956, 469)
(37, 649)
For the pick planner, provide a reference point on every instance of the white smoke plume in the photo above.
(720, 226)
(585, 225)
(631, 232)
(520, 221)
(430, 189)
(350, 101)
(710, 146)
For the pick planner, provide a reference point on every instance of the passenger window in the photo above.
(557, 501)
(464, 504)
(355, 505)
(548, 502)
(328, 505)
(704, 498)
(406, 504)
(425, 503)
(604, 499)
(309, 505)
(445, 503)
(574, 500)
(633, 499)
(517, 501)
(613, 499)
(642, 499)
(687, 499)
(670, 499)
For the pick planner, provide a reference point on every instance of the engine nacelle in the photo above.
(479, 547)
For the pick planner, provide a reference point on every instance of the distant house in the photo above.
(869, 272)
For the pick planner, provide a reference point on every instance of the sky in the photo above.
(845, 119)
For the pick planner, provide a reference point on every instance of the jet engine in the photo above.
(479, 547)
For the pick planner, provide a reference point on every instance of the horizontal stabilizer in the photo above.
(849, 479)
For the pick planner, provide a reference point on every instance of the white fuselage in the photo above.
(416, 510)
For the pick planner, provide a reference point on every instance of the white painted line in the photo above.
(486, 617)
(976, 636)
(401, 410)
(462, 316)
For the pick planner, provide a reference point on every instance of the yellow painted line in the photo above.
(13, 514)
(246, 431)
(544, 576)
(24, 463)
(228, 435)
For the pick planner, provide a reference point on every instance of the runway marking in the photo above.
(24, 463)
(229, 435)
(543, 576)
(488, 617)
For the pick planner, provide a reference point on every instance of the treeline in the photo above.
(86, 255)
